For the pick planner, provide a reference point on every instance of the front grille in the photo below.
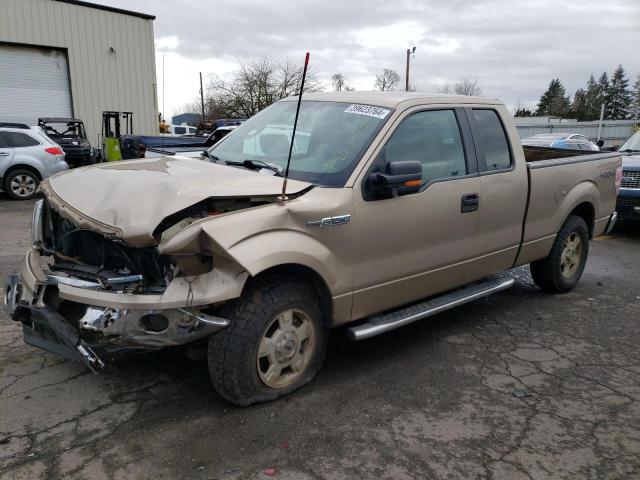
(90, 255)
(630, 179)
(627, 202)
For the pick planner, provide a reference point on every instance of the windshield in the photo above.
(64, 130)
(330, 139)
(632, 143)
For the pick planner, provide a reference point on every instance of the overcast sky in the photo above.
(512, 48)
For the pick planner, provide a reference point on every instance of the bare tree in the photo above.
(445, 89)
(256, 85)
(467, 87)
(340, 83)
(387, 81)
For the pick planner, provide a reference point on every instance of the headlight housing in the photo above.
(37, 224)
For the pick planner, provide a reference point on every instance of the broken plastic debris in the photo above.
(270, 472)
(520, 392)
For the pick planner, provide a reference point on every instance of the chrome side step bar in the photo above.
(390, 321)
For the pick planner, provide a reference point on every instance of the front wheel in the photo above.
(275, 344)
(561, 270)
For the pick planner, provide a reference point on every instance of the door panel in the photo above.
(6, 155)
(411, 246)
(504, 188)
(416, 245)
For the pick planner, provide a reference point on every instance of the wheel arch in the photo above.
(587, 212)
(22, 166)
(307, 275)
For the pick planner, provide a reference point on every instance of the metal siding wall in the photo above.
(614, 133)
(100, 80)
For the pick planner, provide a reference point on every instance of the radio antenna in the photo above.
(295, 124)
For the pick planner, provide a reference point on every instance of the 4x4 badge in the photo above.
(330, 221)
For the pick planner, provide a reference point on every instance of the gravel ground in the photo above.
(522, 385)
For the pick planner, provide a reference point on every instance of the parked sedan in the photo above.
(27, 156)
(571, 141)
(628, 204)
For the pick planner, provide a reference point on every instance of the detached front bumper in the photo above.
(44, 328)
(58, 314)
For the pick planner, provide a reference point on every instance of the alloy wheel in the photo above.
(285, 348)
(23, 185)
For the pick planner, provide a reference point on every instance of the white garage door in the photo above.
(34, 83)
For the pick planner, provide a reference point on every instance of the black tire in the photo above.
(233, 352)
(26, 193)
(551, 273)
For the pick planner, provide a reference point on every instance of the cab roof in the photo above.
(394, 99)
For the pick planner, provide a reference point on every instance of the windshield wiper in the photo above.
(630, 150)
(258, 164)
(212, 158)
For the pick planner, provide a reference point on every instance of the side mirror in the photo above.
(600, 143)
(399, 178)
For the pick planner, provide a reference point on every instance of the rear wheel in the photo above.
(561, 270)
(275, 344)
(21, 184)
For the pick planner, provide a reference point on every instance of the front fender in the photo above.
(292, 247)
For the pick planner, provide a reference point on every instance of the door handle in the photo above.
(470, 202)
(4, 154)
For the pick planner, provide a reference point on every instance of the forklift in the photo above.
(111, 133)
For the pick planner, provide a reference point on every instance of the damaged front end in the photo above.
(87, 295)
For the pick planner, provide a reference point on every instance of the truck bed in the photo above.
(557, 156)
(557, 179)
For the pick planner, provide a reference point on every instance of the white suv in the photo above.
(27, 156)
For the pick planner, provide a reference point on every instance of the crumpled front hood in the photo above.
(133, 197)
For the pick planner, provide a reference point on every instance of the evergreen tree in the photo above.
(580, 107)
(592, 100)
(523, 112)
(554, 101)
(618, 96)
(602, 92)
(635, 99)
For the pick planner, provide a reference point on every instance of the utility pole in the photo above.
(201, 96)
(601, 122)
(163, 117)
(409, 52)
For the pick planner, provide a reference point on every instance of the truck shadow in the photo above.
(627, 229)
(348, 363)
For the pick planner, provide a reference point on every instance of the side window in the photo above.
(179, 130)
(494, 139)
(17, 139)
(3, 142)
(433, 138)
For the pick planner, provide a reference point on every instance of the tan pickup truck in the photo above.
(398, 206)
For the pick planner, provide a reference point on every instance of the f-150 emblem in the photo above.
(330, 221)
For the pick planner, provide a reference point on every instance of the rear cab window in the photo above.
(20, 140)
(490, 137)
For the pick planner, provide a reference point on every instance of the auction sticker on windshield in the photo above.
(367, 110)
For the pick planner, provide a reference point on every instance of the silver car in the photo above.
(27, 156)
(572, 141)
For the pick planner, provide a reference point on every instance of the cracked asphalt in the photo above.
(522, 385)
